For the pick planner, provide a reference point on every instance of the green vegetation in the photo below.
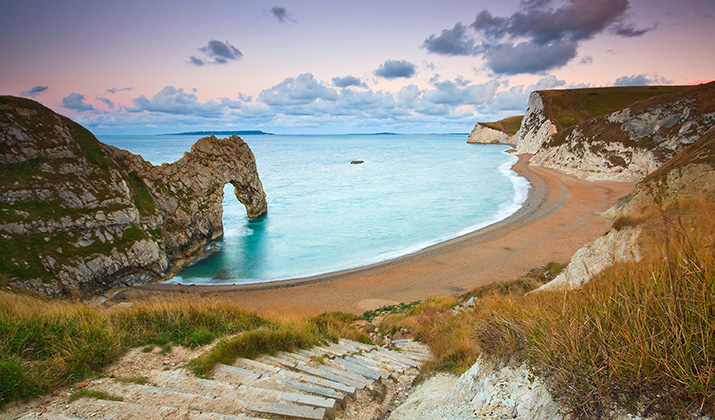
(508, 125)
(48, 344)
(569, 107)
(142, 198)
(279, 336)
(89, 393)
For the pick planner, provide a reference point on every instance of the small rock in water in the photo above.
(357, 162)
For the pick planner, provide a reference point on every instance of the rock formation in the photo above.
(623, 144)
(482, 134)
(78, 217)
(499, 132)
(688, 177)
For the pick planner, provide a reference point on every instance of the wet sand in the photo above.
(561, 214)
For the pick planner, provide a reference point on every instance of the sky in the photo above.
(312, 67)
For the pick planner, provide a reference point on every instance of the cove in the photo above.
(326, 214)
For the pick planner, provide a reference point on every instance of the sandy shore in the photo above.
(561, 214)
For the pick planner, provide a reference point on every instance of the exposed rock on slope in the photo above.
(499, 132)
(624, 144)
(80, 217)
(690, 175)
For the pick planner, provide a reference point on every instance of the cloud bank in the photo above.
(536, 38)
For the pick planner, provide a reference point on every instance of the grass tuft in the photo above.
(90, 393)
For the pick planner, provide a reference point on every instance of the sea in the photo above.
(326, 214)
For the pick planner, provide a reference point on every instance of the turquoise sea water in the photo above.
(325, 214)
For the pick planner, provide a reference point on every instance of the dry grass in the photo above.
(48, 344)
(640, 335)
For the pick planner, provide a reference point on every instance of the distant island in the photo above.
(220, 133)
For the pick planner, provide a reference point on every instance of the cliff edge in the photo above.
(78, 217)
(619, 134)
(498, 132)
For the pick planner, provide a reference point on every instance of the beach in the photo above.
(561, 214)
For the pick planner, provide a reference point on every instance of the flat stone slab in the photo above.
(295, 411)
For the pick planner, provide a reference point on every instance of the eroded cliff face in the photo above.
(536, 127)
(625, 145)
(78, 217)
(482, 134)
(684, 185)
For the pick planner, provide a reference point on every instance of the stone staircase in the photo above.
(344, 380)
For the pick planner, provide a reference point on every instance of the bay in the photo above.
(326, 214)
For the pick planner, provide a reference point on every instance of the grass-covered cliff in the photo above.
(78, 217)
(614, 133)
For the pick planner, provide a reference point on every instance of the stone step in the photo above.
(295, 376)
(300, 412)
(361, 346)
(326, 371)
(315, 389)
(181, 380)
(297, 356)
(120, 410)
(331, 351)
(151, 395)
(148, 395)
(46, 416)
(321, 373)
(235, 374)
(337, 369)
(344, 348)
(361, 369)
(379, 363)
(396, 357)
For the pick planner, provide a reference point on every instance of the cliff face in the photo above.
(499, 132)
(622, 145)
(536, 127)
(687, 178)
(484, 135)
(78, 217)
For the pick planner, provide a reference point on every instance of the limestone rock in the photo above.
(78, 217)
(690, 174)
(482, 134)
(536, 127)
(624, 145)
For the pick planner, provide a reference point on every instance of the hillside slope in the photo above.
(623, 144)
(78, 217)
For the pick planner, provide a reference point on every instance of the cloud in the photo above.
(117, 90)
(586, 60)
(301, 90)
(347, 81)
(453, 41)
(393, 69)
(538, 37)
(32, 93)
(527, 57)
(171, 100)
(461, 92)
(630, 31)
(75, 102)
(216, 52)
(108, 102)
(641, 80)
(281, 14)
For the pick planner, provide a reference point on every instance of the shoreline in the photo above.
(560, 214)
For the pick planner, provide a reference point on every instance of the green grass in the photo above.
(508, 125)
(568, 107)
(48, 344)
(90, 393)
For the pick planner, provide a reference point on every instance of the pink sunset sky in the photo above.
(154, 66)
